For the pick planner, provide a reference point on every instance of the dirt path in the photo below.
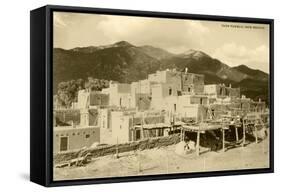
(165, 160)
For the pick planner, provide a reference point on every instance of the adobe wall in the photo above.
(77, 137)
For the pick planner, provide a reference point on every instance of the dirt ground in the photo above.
(165, 160)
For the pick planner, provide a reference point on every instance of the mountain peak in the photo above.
(89, 49)
(191, 53)
(242, 67)
(123, 44)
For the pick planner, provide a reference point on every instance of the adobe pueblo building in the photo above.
(165, 103)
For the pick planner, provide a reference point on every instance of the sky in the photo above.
(232, 43)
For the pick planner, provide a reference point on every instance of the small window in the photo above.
(73, 134)
(87, 136)
(188, 89)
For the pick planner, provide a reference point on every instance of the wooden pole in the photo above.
(181, 135)
(256, 133)
(236, 134)
(223, 140)
(156, 132)
(198, 143)
(142, 131)
(244, 132)
(133, 129)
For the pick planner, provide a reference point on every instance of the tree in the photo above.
(96, 84)
(68, 90)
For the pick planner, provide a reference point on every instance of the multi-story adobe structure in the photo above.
(220, 91)
(180, 81)
(119, 94)
(148, 108)
(88, 99)
(181, 93)
(79, 126)
(133, 126)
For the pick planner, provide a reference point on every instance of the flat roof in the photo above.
(65, 128)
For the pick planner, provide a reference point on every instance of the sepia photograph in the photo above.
(139, 96)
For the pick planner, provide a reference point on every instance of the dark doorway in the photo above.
(170, 91)
(63, 143)
(138, 135)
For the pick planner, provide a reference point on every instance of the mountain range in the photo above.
(126, 63)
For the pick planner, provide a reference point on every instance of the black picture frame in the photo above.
(41, 100)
